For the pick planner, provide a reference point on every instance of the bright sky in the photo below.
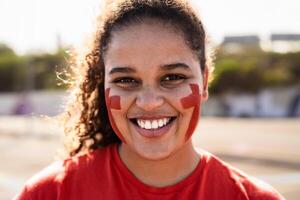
(34, 25)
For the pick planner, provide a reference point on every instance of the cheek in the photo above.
(113, 102)
(193, 100)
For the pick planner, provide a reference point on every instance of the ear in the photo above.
(205, 94)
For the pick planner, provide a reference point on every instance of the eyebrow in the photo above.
(122, 70)
(175, 66)
(165, 67)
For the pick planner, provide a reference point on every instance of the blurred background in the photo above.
(252, 119)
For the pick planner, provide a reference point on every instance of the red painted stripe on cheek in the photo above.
(113, 102)
(192, 100)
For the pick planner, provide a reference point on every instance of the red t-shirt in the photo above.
(101, 174)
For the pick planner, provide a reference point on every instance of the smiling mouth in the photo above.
(152, 124)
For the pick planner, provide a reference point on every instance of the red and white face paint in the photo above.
(153, 91)
(113, 103)
(192, 101)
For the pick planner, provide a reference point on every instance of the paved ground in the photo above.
(266, 148)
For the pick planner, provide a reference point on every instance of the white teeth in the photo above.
(142, 124)
(160, 123)
(165, 121)
(147, 124)
(153, 124)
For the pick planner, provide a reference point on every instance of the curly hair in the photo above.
(86, 122)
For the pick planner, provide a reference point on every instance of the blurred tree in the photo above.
(9, 63)
(288, 64)
(15, 70)
(238, 71)
(45, 67)
(254, 69)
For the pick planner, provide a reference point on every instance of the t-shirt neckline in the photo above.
(167, 189)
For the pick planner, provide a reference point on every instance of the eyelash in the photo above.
(125, 80)
(129, 82)
(175, 77)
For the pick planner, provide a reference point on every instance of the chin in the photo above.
(154, 151)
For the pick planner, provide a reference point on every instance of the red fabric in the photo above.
(102, 175)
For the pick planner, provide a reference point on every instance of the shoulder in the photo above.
(49, 183)
(257, 189)
(46, 180)
(246, 186)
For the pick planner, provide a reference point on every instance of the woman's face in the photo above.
(153, 88)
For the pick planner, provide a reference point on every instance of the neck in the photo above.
(164, 172)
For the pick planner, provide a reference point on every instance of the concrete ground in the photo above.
(266, 148)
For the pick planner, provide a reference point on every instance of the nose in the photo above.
(149, 99)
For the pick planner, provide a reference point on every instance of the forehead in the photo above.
(148, 44)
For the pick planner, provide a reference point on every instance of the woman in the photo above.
(139, 97)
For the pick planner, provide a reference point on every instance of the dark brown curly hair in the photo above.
(86, 122)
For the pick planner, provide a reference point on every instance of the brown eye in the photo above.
(126, 82)
(173, 80)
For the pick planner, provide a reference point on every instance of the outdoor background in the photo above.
(252, 119)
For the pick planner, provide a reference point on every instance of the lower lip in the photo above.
(153, 133)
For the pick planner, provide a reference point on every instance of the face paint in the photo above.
(113, 102)
(193, 100)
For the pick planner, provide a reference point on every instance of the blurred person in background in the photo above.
(138, 97)
(22, 106)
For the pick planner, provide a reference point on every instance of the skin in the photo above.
(150, 69)
(113, 102)
(192, 101)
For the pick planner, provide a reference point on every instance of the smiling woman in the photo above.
(159, 68)
(139, 97)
